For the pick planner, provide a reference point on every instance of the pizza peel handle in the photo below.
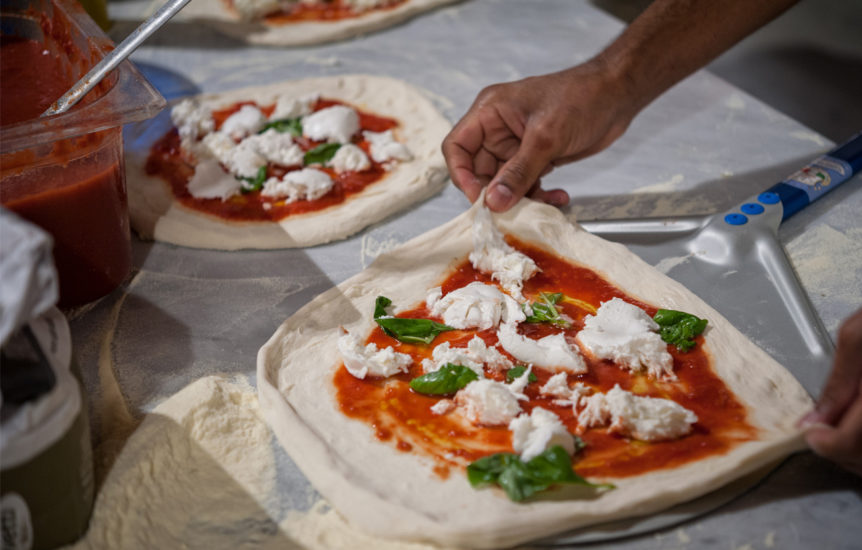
(804, 186)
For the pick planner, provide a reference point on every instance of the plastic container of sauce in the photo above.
(65, 173)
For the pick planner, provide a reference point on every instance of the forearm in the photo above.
(673, 38)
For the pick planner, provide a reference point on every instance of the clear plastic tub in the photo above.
(65, 172)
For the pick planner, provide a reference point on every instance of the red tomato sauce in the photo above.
(404, 417)
(167, 162)
(73, 188)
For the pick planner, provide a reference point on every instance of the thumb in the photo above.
(518, 175)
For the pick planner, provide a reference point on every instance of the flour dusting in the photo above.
(662, 187)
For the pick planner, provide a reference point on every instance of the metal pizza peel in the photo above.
(735, 262)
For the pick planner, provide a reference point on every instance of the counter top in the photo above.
(700, 148)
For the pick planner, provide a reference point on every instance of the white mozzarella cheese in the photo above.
(638, 417)
(336, 124)
(276, 147)
(192, 120)
(550, 352)
(384, 148)
(241, 160)
(245, 122)
(625, 334)
(476, 305)
(252, 9)
(362, 361)
(305, 184)
(444, 406)
(291, 107)
(210, 181)
(557, 386)
(491, 254)
(365, 5)
(519, 384)
(349, 158)
(487, 402)
(534, 433)
(475, 356)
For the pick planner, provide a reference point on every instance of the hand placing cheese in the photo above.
(493, 255)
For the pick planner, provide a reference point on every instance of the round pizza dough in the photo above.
(395, 494)
(216, 14)
(155, 214)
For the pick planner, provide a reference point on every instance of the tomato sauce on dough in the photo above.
(404, 418)
(325, 11)
(167, 162)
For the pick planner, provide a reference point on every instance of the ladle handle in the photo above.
(110, 61)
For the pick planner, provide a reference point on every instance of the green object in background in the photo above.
(98, 10)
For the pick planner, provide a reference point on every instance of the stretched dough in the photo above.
(156, 215)
(395, 494)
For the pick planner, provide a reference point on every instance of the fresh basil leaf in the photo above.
(412, 331)
(446, 380)
(545, 311)
(253, 184)
(521, 480)
(679, 328)
(321, 154)
(518, 371)
(290, 125)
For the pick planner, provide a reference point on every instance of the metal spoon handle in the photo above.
(110, 61)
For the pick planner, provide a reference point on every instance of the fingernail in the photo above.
(810, 419)
(499, 196)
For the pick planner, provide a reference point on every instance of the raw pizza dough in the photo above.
(156, 215)
(217, 15)
(395, 494)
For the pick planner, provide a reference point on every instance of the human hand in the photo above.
(517, 132)
(835, 425)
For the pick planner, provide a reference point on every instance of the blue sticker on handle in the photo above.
(820, 176)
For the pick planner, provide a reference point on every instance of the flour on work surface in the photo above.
(196, 473)
(373, 246)
(829, 264)
(668, 186)
(321, 528)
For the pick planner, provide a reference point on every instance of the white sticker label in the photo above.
(16, 530)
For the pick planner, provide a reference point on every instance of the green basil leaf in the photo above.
(290, 125)
(412, 331)
(545, 311)
(520, 479)
(255, 183)
(446, 380)
(518, 371)
(321, 154)
(679, 328)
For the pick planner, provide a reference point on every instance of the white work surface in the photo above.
(701, 148)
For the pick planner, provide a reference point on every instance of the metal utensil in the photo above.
(117, 56)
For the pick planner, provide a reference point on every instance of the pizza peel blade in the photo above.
(735, 262)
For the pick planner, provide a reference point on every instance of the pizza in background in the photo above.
(492, 389)
(292, 164)
(303, 22)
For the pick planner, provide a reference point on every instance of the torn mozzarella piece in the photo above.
(336, 124)
(444, 406)
(475, 356)
(476, 305)
(487, 402)
(211, 182)
(625, 334)
(362, 361)
(638, 417)
(291, 107)
(276, 147)
(349, 158)
(519, 384)
(383, 147)
(493, 255)
(365, 5)
(306, 184)
(558, 386)
(550, 352)
(241, 160)
(245, 122)
(192, 120)
(534, 433)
